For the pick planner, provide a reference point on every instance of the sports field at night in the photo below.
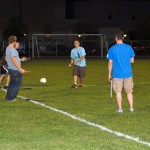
(54, 116)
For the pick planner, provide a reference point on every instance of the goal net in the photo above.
(54, 45)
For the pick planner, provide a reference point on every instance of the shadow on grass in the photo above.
(37, 85)
(28, 99)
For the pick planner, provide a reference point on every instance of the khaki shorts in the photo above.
(126, 83)
(79, 71)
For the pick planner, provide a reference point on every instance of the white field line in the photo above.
(103, 128)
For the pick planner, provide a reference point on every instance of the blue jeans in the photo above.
(14, 85)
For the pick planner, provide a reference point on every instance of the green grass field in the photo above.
(27, 126)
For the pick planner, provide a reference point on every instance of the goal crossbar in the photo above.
(69, 34)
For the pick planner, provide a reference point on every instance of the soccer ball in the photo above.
(43, 80)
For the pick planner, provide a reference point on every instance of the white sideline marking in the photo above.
(103, 128)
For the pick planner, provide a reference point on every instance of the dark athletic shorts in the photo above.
(79, 71)
(4, 71)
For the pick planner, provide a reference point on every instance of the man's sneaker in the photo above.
(131, 110)
(80, 85)
(5, 87)
(120, 111)
(13, 100)
(74, 86)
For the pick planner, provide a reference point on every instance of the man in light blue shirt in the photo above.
(78, 60)
(15, 70)
(120, 57)
(12, 52)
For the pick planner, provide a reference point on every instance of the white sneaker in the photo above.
(120, 111)
(131, 110)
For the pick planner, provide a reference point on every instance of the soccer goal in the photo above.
(54, 45)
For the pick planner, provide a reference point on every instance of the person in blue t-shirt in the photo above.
(120, 57)
(78, 60)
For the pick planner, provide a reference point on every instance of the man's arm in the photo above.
(16, 64)
(110, 70)
(132, 60)
(83, 57)
(72, 62)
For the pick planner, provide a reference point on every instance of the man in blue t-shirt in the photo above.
(79, 62)
(120, 57)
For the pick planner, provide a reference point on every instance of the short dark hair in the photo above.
(77, 40)
(11, 39)
(120, 35)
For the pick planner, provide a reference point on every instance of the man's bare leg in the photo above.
(75, 79)
(81, 81)
(1, 78)
(8, 80)
(119, 100)
(130, 100)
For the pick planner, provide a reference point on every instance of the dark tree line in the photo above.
(14, 27)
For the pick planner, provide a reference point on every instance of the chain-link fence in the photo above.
(54, 45)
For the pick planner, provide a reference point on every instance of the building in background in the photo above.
(76, 16)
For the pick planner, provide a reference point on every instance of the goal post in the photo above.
(54, 45)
